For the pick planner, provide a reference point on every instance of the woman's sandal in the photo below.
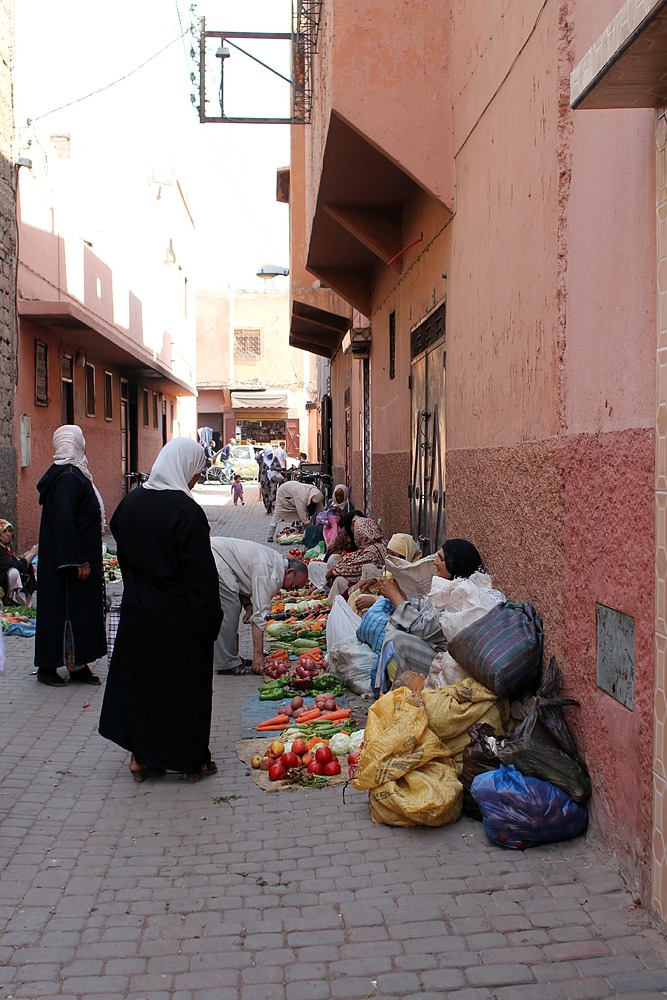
(204, 772)
(142, 771)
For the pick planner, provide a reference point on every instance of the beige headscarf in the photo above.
(69, 446)
(177, 463)
(405, 546)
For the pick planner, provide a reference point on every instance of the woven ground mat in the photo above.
(247, 749)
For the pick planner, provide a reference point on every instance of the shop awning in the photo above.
(262, 400)
(317, 330)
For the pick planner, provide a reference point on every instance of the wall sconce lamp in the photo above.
(80, 359)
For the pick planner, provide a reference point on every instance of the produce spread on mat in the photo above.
(312, 736)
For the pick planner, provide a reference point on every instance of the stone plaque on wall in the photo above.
(616, 654)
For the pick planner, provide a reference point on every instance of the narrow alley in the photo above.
(219, 891)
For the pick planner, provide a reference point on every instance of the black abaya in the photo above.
(70, 535)
(158, 697)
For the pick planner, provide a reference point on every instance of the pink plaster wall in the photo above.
(608, 558)
(568, 523)
(609, 357)
(502, 354)
(389, 79)
(103, 438)
(551, 334)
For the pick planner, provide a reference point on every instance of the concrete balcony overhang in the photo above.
(357, 221)
(317, 330)
(107, 342)
(627, 66)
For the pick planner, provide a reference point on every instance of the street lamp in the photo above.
(268, 271)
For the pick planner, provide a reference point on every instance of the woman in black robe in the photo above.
(158, 698)
(71, 614)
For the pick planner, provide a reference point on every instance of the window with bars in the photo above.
(41, 374)
(90, 390)
(247, 347)
(108, 396)
(392, 345)
(428, 332)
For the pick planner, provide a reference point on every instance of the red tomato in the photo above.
(289, 759)
(333, 767)
(324, 755)
(277, 771)
(315, 767)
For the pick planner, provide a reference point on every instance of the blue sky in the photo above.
(72, 48)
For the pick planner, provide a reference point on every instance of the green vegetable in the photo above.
(272, 692)
(305, 644)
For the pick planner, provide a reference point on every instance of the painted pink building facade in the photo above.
(105, 331)
(501, 248)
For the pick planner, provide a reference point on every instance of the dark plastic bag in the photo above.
(478, 758)
(543, 747)
(521, 812)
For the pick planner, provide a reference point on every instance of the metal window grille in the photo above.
(41, 374)
(392, 345)
(90, 390)
(108, 396)
(247, 347)
(428, 333)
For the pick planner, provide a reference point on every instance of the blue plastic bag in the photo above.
(521, 812)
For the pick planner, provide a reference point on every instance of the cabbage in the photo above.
(340, 743)
(356, 739)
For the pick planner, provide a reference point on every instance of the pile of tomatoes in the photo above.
(278, 761)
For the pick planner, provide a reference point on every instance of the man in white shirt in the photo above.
(281, 454)
(249, 575)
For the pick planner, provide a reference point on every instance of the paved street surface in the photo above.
(219, 891)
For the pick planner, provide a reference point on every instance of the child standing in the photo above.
(237, 490)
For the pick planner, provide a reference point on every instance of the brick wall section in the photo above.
(7, 268)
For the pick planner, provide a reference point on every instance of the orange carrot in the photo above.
(278, 720)
(341, 713)
(315, 740)
(314, 713)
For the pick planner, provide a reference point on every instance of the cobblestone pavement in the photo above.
(220, 891)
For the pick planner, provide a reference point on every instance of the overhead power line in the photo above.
(113, 82)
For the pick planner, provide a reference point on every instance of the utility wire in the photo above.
(113, 83)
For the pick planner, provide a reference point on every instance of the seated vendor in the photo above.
(371, 550)
(414, 625)
(340, 501)
(17, 574)
(363, 594)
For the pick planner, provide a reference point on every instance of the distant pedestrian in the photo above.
(270, 478)
(70, 624)
(281, 454)
(237, 490)
(159, 691)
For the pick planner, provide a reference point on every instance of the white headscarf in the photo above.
(268, 457)
(177, 463)
(69, 446)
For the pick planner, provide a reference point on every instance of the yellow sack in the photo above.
(452, 710)
(405, 767)
(431, 795)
